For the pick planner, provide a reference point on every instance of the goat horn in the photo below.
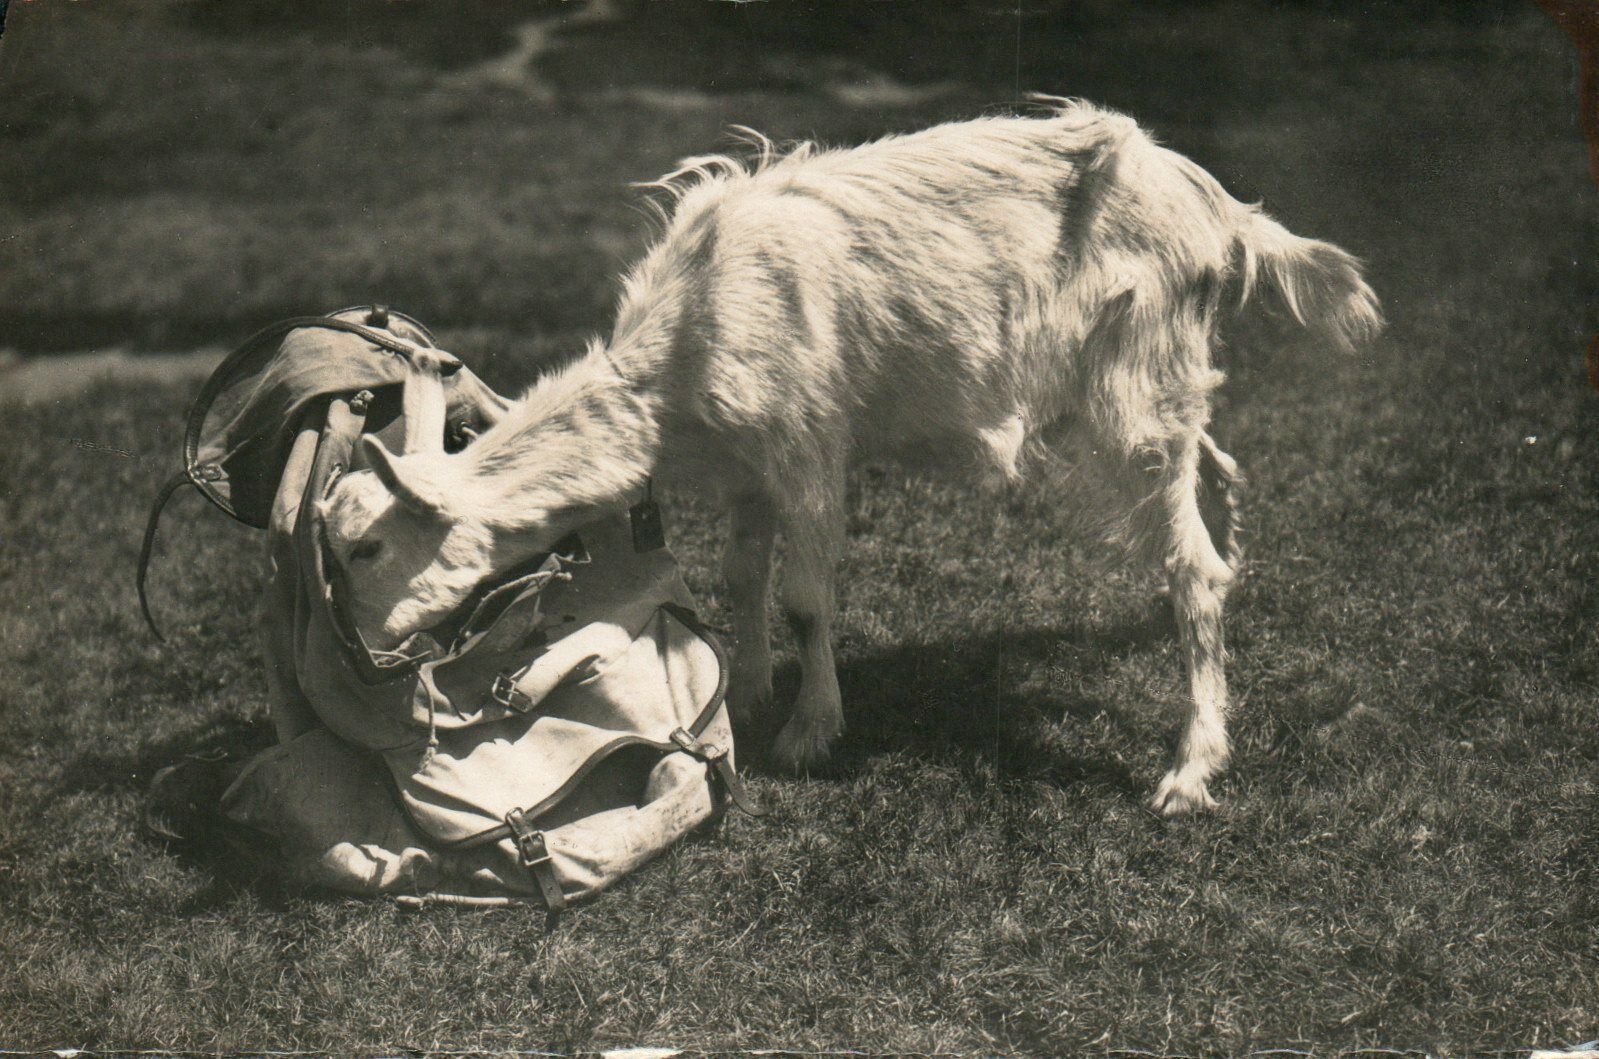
(425, 407)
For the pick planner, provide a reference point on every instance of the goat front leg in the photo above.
(813, 538)
(747, 568)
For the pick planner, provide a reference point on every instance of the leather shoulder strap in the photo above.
(170, 487)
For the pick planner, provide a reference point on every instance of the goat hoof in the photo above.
(1177, 796)
(798, 749)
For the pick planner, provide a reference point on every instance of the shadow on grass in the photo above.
(974, 704)
(234, 859)
(132, 769)
(962, 703)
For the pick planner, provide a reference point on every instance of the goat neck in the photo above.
(581, 441)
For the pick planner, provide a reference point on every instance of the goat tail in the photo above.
(1319, 284)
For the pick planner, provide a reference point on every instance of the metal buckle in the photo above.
(707, 752)
(721, 768)
(530, 845)
(505, 692)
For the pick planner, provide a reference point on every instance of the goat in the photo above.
(981, 291)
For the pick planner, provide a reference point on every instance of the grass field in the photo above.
(1408, 854)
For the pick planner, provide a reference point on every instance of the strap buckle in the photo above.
(709, 753)
(505, 692)
(530, 845)
(721, 769)
(534, 855)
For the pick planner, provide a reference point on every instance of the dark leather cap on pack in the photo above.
(241, 426)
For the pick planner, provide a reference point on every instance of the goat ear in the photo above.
(392, 473)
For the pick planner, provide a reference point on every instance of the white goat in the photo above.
(975, 291)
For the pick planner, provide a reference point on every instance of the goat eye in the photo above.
(365, 549)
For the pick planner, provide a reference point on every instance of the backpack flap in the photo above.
(626, 746)
(476, 775)
(592, 851)
(562, 631)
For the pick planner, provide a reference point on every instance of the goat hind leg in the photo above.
(1198, 575)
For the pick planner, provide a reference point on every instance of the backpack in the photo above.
(561, 728)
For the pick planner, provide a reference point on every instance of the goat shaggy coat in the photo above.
(977, 292)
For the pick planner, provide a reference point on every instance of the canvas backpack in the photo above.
(559, 729)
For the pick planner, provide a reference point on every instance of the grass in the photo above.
(1408, 855)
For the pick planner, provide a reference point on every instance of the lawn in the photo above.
(1408, 851)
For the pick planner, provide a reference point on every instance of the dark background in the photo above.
(176, 172)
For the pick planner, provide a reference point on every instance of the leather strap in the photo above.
(688, 741)
(721, 768)
(170, 487)
(723, 666)
(534, 855)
